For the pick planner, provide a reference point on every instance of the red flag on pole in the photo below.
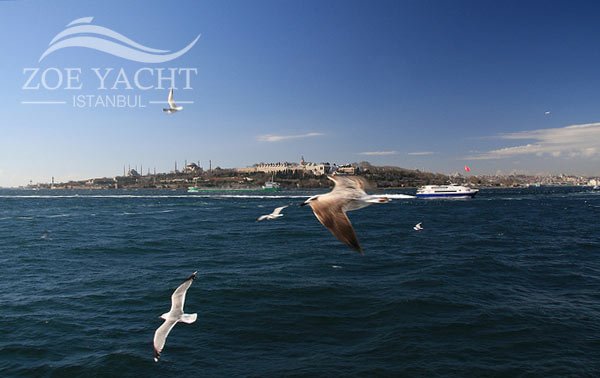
(467, 169)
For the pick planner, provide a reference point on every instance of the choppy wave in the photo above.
(455, 299)
(398, 196)
(194, 195)
(118, 196)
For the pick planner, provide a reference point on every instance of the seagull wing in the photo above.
(278, 210)
(348, 182)
(160, 337)
(178, 297)
(262, 217)
(334, 218)
(171, 100)
(350, 188)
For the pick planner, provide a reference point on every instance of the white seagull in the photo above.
(174, 316)
(274, 215)
(330, 208)
(172, 105)
(547, 113)
(418, 227)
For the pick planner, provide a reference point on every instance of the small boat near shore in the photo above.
(446, 191)
(269, 186)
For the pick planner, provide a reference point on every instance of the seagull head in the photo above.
(309, 200)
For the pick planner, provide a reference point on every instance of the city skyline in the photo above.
(319, 169)
(507, 87)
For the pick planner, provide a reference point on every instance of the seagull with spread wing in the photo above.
(174, 316)
(172, 105)
(330, 208)
(274, 215)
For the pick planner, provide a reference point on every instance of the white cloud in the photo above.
(279, 138)
(570, 141)
(378, 153)
(421, 153)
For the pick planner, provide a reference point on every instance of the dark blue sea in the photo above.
(504, 285)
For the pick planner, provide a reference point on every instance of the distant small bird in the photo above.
(172, 106)
(174, 316)
(330, 208)
(274, 215)
(547, 113)
(45, 235)
(418, 227)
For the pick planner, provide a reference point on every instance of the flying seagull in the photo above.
(330, 208)
(174, 316)
(547, 113)
(274, 215)
(172, 106)
(418, 227)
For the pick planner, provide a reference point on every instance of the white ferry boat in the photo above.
(446, 191)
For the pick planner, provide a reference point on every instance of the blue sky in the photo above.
(432, 85)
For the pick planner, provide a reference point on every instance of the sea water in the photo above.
(505, 284)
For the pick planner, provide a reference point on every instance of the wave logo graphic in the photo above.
(81, 33)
